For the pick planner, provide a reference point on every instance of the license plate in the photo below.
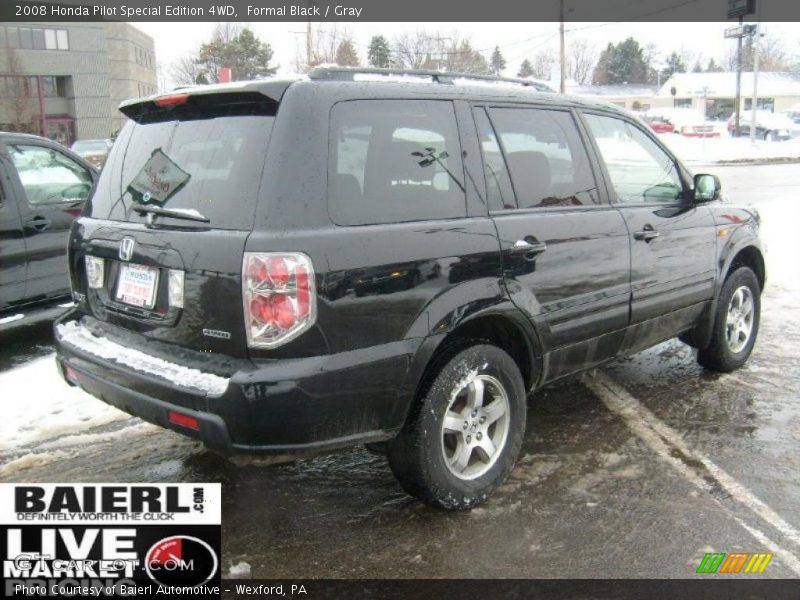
(137, 285)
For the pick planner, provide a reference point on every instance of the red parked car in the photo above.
(660, 125)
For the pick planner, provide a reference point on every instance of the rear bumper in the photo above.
(301, 405)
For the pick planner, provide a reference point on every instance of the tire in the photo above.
(424, 455)
(769, 136)
(732, 339)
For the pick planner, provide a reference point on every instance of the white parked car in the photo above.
(687, 121)
(769, 126)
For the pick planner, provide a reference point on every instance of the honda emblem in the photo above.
(126, 248)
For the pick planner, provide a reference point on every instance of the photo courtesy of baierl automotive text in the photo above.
(400, 300)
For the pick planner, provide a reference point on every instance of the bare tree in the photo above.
(325, 43)
(418, 49)
(459, 56)
(772, 56)
(16, 96)
(227, 31)
(581, 60)
(185, 70)
(543, 62)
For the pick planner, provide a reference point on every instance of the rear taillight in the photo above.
(279, 297)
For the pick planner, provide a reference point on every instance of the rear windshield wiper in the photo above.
(175, 213)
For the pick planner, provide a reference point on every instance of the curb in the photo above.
(746, 161)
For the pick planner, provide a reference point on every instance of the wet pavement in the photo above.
(635, 471)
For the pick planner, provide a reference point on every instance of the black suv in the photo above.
(363, 257)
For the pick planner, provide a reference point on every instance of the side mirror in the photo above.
(706, 187)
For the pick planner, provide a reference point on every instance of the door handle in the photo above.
(530, 247)
(38, 223)
(646, 234)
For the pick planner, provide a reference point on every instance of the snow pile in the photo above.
(729, 149)
(39, 406)
(239, 570)
(78, 336)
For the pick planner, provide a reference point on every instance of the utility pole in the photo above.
(563, 54)
(308, 36)
(738, 79)
(757, 34)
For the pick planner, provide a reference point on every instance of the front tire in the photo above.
(735, 323)
(465, 433)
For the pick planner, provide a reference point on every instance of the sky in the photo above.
(516, 40)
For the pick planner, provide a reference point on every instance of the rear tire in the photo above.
(465, 433)
(736, 323)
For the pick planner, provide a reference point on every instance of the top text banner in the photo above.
(390, 10)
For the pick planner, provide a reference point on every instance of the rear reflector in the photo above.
(176, 288)
(71, 374)
(174, 100)
(95, 271)
(183, 420)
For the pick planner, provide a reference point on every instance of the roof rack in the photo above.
(443, 77)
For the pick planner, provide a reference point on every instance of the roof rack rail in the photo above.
(444, 77)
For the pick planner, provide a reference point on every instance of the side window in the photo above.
(394, 161)
(48, 176)
(548, 163)
(640, 171)
(499, 193)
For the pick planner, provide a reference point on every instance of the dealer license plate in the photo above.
(137, 285)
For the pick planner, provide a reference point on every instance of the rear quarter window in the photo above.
(394, 161)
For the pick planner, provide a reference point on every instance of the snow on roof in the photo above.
(723, 85)
(625, 89)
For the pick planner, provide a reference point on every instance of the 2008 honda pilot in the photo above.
(288, 266)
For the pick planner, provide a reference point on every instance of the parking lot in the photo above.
(635, 470)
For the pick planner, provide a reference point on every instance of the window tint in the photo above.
(640, 170)
(499, 192)
(394, 161)
(548, 163)
(48, 176)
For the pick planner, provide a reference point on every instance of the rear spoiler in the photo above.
(251, 98)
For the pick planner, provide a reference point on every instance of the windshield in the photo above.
(90, 147)
(211, 166)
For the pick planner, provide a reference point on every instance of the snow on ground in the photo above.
(729, 149)
(39, 406)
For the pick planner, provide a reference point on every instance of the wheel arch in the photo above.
(746, 255)
(502, 325)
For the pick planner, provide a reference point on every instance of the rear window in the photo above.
(197, 163)
(394, 161)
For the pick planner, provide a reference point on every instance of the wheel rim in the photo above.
(739, 320)
(475, 427)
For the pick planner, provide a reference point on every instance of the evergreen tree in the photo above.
(674, 65)
(713, 67)
(622, 63)
(346, 55)
(246, 56)
(379, 53)
(498, 63)
(525, 69)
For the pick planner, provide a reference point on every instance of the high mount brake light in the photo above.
(174, 100)
(279, 297)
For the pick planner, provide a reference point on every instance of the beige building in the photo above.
(777, 92)
(65, 80)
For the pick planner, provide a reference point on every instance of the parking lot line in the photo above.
(692, 465)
